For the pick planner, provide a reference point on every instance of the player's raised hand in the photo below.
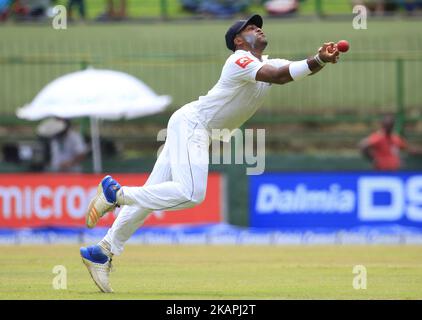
(329, 52)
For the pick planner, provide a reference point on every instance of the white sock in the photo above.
(105, 248)
(120, 197)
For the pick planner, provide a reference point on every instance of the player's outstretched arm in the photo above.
(328, 53)
(297, 70)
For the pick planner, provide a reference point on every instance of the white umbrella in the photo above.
(98, 94)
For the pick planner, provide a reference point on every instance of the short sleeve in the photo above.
(243, 67)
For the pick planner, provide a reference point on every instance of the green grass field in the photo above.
(218, 272)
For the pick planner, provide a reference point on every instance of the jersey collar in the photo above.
(264, 57)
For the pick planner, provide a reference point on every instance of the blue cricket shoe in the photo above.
(104, 201)
(98, 265)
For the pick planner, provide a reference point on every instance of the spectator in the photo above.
(281, 7)
(411, 5)
(383, 147)
(223, 8)
(378, 7)
(67, 147)
(111, 13)
(81, 8)
(35, 8)
(4, 9)
(17, 9)
(191, 5)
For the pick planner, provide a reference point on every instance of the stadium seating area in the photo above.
(118, 10)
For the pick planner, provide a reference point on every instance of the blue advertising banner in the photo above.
(335, 200)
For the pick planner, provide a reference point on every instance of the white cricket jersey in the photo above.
(236, 96)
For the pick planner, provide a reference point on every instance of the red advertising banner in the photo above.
(36, 200)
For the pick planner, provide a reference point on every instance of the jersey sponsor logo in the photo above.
(243, 62)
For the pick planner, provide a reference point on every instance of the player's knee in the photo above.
(197, 200)
(198, 196)
(193, 197)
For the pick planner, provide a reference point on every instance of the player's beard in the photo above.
(253, 41)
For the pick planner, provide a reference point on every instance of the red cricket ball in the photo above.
(343, 46)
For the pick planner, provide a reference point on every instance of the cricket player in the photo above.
(179, 177)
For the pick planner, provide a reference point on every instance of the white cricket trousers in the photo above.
(177, 181)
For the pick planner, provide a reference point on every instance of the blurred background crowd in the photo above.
(110, 10)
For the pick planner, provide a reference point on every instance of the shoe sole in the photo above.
(87, 264)
(92, 216)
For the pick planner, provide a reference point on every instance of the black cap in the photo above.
(238, 26)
